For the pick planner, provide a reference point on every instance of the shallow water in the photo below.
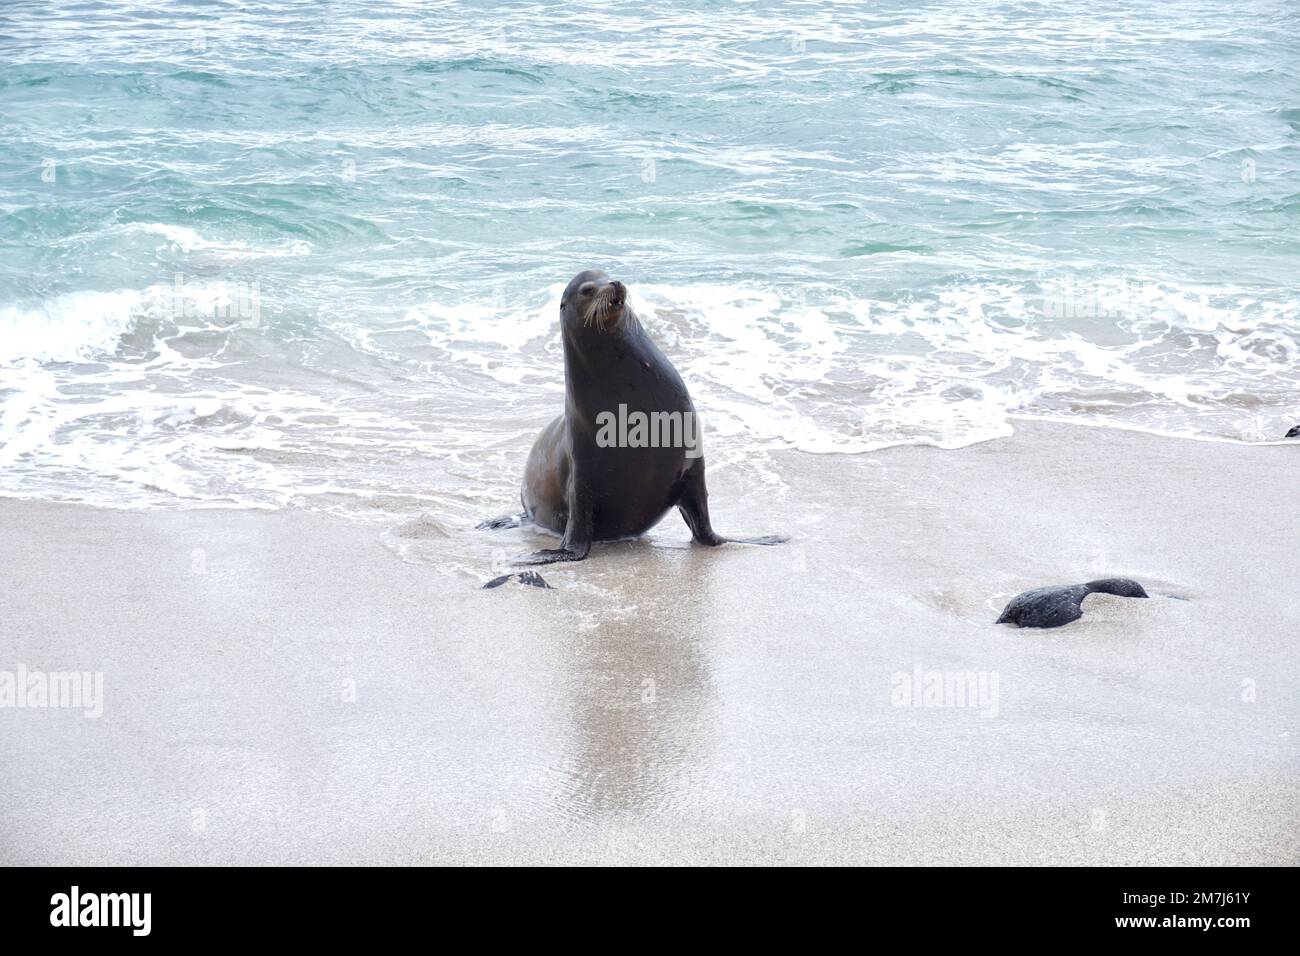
(266, 253)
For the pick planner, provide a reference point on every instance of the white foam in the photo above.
(74, 327)
(186, 239)
(824, 371)
(465, 385)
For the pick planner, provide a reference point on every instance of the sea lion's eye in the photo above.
(587, 288)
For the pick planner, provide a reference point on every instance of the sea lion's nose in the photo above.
(617, 292)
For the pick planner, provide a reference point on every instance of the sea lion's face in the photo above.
(593, 301)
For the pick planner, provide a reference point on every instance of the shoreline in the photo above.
(290, 686)
(1017, 421)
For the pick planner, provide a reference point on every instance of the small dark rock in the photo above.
(1054, 606)
(496, 524)
(530, 578)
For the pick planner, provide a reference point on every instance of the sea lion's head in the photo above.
(593, 302)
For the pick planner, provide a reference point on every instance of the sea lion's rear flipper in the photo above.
(499, 524)
(693, 503)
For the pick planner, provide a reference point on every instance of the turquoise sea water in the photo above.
(311, 252)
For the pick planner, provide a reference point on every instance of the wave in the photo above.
(436, 403)
(75, 327)
(186, 239)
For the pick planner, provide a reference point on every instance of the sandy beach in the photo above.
(290, 687)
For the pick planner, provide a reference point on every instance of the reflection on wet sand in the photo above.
(644, 699)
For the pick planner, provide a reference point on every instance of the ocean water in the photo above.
(310, 253)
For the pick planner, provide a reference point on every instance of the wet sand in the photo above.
(288, 687)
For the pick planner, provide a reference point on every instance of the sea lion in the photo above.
(1052, 607)
(588, 476)
(1293, 433)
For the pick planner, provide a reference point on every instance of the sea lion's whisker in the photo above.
(601, 311)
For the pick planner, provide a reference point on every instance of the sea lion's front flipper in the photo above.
(577, 529)
(693, 503)
(763, 539)
(552, 556)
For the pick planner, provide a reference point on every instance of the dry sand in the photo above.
(291, 687)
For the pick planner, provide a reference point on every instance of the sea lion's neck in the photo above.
(619, 366)
(595, 350)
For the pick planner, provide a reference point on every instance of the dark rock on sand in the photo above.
(1054, 606)
(530, 578)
